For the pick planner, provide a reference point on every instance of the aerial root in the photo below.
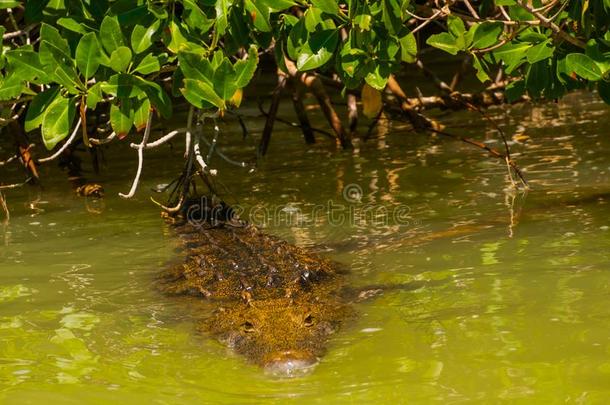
(275, 103)
(140, 148)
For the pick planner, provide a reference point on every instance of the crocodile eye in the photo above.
(308, 321)
(247, 327)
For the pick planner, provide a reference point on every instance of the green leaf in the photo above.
(38, 106)
(224, 80)
(296, 39)
(111, 34)
(122, 85)
(486, 34)
(73, 25)
(158, 97)
(512, 54)
(52, 35)
(537, 78)
(177, 39)
(197, 92)
(141, 37)
(26, 64)
(11, 87)
(480, 68)
(195, 66)
(542, 51)
(515, 90)
(327, 6)
(279, 5)
(121, 117)
(390, 15)
(120, 59)
(57, 121)
(363, 21)
(455, 25)
(9, 4)
(315, 21)
(222, 15)
(583, 66)
(94, 95)
(319, 50)
(259, 13)
(140, 116)
(88, 55)
(64, 71)
(245, 69)
(445, 42)
(195, 18)
(603, 88)
(377, 77)
(151, 64)
(408, 48)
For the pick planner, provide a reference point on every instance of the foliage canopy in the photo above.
(63, 57)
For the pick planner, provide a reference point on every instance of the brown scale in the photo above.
(276, 303)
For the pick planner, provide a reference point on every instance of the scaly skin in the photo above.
(277, 303)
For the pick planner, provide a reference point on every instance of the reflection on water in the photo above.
(515, 299)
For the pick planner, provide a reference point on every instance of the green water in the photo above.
(515, 303)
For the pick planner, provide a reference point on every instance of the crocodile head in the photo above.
(285, 336)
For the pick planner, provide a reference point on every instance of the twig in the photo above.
(214, 141)
(64, 146)
(223, 155)
(15, 185)
(140, 148)
(108, 139)
(436, 15)
(471, 9)
(9, 160)
(161, 140)
(548, 23)
(494, 123)
(491, 151)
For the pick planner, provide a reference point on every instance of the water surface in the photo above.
(515, 302)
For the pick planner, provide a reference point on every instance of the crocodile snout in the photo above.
(290, 364)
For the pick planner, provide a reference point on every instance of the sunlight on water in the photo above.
(514, 301)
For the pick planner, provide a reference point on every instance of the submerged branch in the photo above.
(423, 123)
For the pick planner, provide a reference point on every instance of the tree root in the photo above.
(313, 83)
(299, 109)
(275, 103)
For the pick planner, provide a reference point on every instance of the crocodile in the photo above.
(276, 304)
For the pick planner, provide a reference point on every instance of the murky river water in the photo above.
(515, 303)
